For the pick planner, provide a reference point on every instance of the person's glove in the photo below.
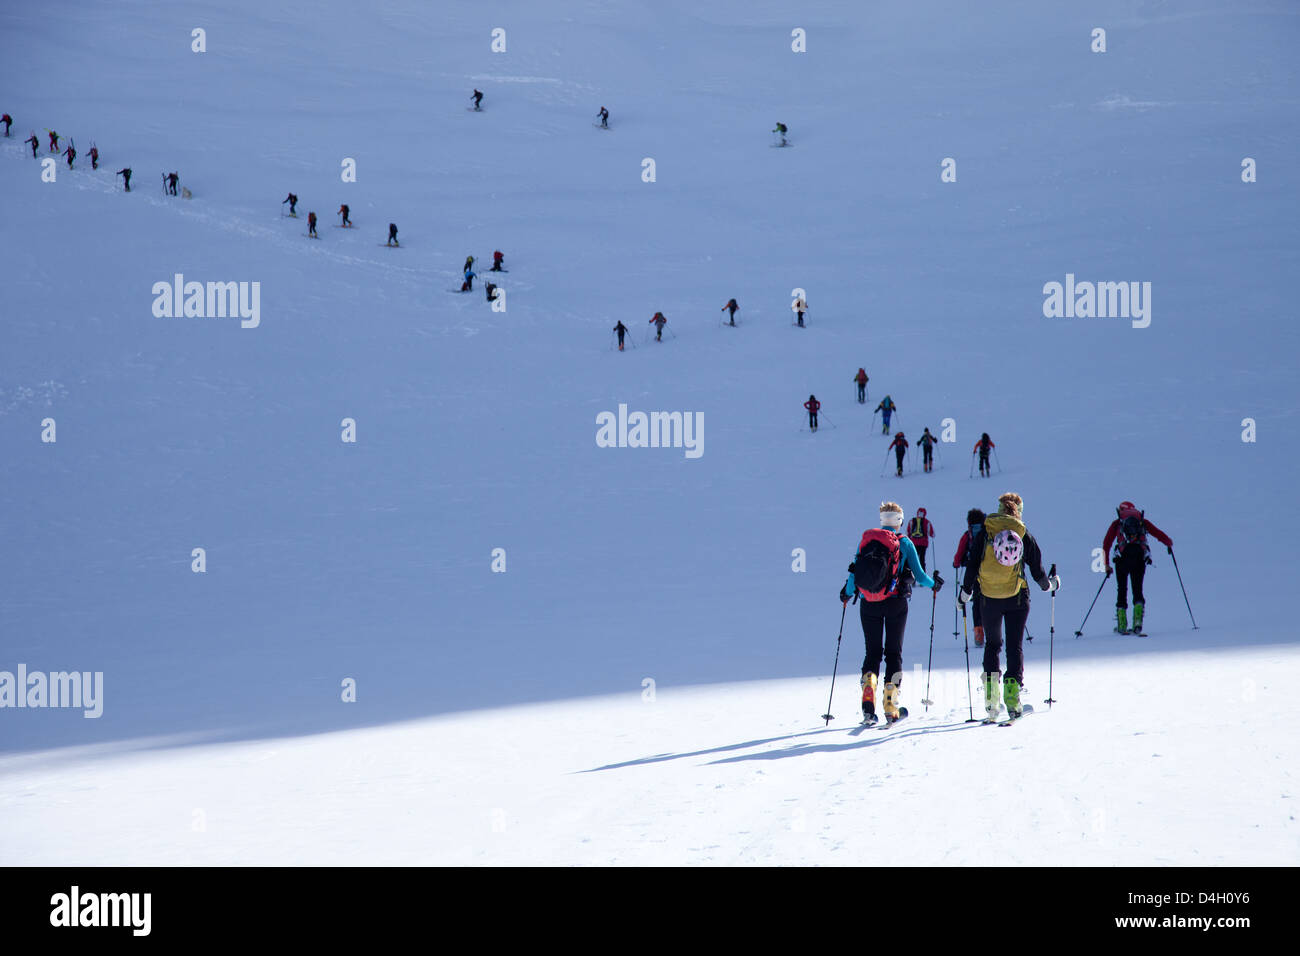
(938, 582)
(1054, 582)
(1148, 559)
(1109, 572)
(844, 598)
(963, 598)
(1170, 549)
(853, 567)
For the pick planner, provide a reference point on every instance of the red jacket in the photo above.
(980, 443)
(900, 442)
(861, 377)
(926, 528)
(812, 406)
(963, 546)
(1113, 531)
(658, 317)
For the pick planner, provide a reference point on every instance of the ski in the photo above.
(902, 712)
(598, 126)
(1028, 709)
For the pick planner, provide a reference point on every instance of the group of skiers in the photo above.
(996, 558)
(70, 154)
(887, 565)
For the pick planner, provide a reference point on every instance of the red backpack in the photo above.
(876, 568)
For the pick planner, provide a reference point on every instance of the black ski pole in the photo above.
(1079, 632)
(955, 592)
(828, 716)
(934, 599)
(1180, 584)
(970, 706)
(998, 459)
(1051, 654)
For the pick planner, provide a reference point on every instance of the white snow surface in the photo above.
(503, 718)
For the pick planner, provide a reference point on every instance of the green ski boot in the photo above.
(1011, 691)
(992, 696)
(1138, 610)
(1121, 620)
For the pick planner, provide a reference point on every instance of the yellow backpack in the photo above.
(1001, 566)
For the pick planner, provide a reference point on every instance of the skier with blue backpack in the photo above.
(881, 578)
(998, 557)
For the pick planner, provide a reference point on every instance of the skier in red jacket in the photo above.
(658, 321)
(899, 445)
(920, 530)
(813, 407)
(1128, 533)
(983, 446)
(974, 525)
(861, 379)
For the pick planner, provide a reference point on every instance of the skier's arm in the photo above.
(914, 563)
(1160, 535)
(1034, 561)
(1110, 539)
(961, 549)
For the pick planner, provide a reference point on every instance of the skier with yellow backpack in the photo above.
(999, 556)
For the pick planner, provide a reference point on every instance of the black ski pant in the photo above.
(862, 393)
(920, 553)
(1131, 564)
(927, 455)
(898, 456)
(812, 420)
(883, 624)
(984, 462)
(1010, 614)
(800, 319)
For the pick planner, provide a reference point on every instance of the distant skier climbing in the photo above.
(983, 447)
(926, 442)
(311, 225)
(70, 154)
(800, 308)
(604, 118)
(862, 379)
(899, 445)
(813, 407)
(126, 177)
(620, 330)
(94, 156)
(730, 307)
(8, 121)
(498, 258)
(468, 284)
(292, 200)
(491, 290)
(1131, 555)
(886, 409)
(478, 100)
(345, 213)
(469, 264)
(36, 143)
(54, 141)
(658, 321)
(919, 532)
(781, 130)
(172, 179)
(392, 235)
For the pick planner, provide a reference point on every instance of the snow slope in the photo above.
(476, 430)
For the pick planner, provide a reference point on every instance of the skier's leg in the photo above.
(977, 617)
(873, 626)
(895, 627)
